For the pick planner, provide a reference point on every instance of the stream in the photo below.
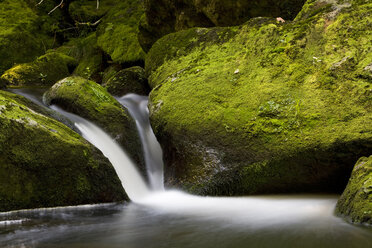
(169, 218)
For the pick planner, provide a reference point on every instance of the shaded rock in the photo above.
(130, 80)
(110, 72)
(45, 164)
(87, 11)
(165, 16)
(117, 33)
(22, 37)
(45, 70)
(91, 101)
(91, 61)
(356, 202)
(284, 123)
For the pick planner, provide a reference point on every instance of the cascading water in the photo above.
(137, 106)
(131, 179)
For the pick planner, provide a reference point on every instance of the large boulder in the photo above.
(166, 16)
(129, 80)
(356, 201)
(117, 33)
(22, 34)
(265, 107)
(43, 163)
(91, 101)
(44, 71)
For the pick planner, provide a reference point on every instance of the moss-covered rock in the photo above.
(117, 34)
(129, 80)
(91, 101)
(22, 37)
(356, 202)
(166, 16)
(110, 71)
(45, 70)
(44, 163)
(91, 61)
(267, 106)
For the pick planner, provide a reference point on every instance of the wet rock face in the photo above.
(267, 106)
(163, 17)
(43, 163)
(355, 204)
(91, 101)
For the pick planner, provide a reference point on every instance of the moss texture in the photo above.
(166, 16)
(117, 34)
(44, 71)
(22, 34)
(91, 101)
(276, 107)
(356, 202)
(44, 164)
(129, 80)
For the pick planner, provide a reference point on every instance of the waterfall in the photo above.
(137, 106)
(132, 181)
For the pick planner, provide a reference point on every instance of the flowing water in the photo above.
(157, 218)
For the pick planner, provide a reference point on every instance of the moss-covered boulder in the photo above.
(43, 163)
(267, 106)
(166, 16)
(129, 80)
(356, 202)
(91, 101)
(45, 70)
(117, 33)
(22, 35)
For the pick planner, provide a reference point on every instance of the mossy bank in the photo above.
(44, 163)
(267, 106)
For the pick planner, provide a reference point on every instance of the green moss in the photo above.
(117, 34)
(45, 70)
(44, 163)
(129, 80)
(91, 101)
(22, 38)
(253, 102)
(356, 202)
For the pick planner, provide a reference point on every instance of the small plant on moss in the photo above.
(269, 109)
(42, 77)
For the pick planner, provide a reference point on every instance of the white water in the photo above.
(131, 179)
(137, 106)
(260, 211)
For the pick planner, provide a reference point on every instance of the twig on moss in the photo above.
(89, 23)
(41, 1)
(97, 4)
(59, 5)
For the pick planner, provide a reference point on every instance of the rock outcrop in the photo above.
(267, 106)
(355, 204)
